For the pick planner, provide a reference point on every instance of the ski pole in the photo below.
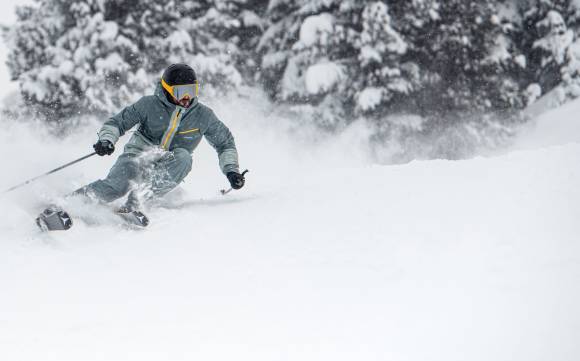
(47, 173)
(224, 191)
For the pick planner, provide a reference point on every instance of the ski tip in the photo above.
(41, 224)
(142, 218)
(134, 218)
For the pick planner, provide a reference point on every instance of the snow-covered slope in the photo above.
(322, 256)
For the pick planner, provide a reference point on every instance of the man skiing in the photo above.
(158, 155)
(172, 120)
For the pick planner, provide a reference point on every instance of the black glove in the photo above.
(104, 147)
(236, 179)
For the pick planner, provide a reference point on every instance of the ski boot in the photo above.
(130, 213)
(54, 218)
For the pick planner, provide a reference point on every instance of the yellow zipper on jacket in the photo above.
(171, 131)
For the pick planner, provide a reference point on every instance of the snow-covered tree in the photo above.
(464, 55)
(335, 59)
(573, 14)
(341, 57)
(220, 42)
(68, 58)
(543, 19)
(381, 76)
(275, 44)
(380, 57)
(72, 56)
(535, 11)
(551, 47)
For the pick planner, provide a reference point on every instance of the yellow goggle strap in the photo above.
(170, 89)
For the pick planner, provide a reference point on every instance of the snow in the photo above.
(370, 98)
(521, 61)
(322, 256)
(500, 51)
(250, 18)
(322, 77)
(414, 122)
(369, 54)
(179, 39)
(217, 65)
(273, 59)
(110, 31)
(557, 127)
(112, 63)
(315, 29)
(533, 93)
(399, 85)
(378, 32)
(434, 15)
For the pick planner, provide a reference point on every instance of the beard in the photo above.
(184, 102)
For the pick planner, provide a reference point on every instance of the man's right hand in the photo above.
(104, 147)
(236, 179)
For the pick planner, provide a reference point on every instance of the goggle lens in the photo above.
(180, 91)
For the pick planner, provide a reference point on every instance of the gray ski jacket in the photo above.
(168, 126)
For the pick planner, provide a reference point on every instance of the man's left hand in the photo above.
(236, 179)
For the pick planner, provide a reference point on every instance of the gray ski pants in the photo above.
(159, 176)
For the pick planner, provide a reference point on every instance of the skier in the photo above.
(158, 155)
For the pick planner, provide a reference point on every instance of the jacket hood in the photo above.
(160, 94)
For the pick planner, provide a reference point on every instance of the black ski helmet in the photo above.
(179, 74)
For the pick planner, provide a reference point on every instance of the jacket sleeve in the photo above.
(220, 137)
(120, 123)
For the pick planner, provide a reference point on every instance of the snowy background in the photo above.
(326, 254)
(7, 17)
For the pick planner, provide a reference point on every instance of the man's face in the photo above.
(185, 101)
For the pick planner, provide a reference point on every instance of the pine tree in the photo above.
(240, 22)
(534, 14)
(228, 33)
(67, 58)
(548, 42)
(98, 55)
(464, 54)
(382, 76)
(275, 44)
(340, 56)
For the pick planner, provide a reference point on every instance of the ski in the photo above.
(55, 218)
(135, 218)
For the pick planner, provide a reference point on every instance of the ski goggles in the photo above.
(180, 91)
